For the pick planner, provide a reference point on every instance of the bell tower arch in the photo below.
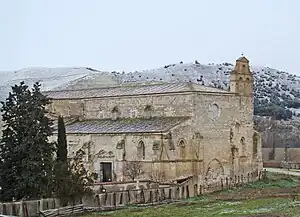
(241, 78)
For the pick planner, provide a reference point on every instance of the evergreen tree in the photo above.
(62, 174)
(26, 155)
(72, 180)
(62, 151)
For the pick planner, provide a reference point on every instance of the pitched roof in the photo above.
(125, 125)
(243, 59)
(133, 89)
(67, 121)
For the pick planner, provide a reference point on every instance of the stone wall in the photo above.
(202, 145)
(31, 208)
(216, 118)
(190, 188)
(118, 199)
(165, 158)
(133, 106)
(293, 154)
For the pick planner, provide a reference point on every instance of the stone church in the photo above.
(176, 130)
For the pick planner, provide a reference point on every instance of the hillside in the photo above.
(50, 78)
(276, 92)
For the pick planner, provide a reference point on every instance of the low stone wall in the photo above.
(113, 200)
(291, 154)
(31, 207)
(119, 199)
(290, 165)
(272, 164)
(128, 185)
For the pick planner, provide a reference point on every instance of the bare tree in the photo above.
(157, 176)
(133, 169)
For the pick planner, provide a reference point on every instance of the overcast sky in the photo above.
(142, 34)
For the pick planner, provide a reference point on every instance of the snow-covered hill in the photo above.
(50, 78)
(276, 92)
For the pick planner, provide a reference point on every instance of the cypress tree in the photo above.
(26, 155)
(72, 180)
(62, 174)
(62, 151)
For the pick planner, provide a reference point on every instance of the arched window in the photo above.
(241, 79)
(148, 111)
(182, 149)
(215, 111)
(248, 79)
(255, 144)
(243, 145)
(141, 150)
(115, 113)
(231, 135)
(69, 110)
(237, 126)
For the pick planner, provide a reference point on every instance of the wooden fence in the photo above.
(64, 211)
(119, 199)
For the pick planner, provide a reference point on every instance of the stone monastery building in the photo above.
(176, 130)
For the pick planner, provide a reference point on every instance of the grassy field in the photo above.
(218, 205)
(202, 208)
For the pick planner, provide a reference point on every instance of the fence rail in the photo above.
(115, 200)
(63, 211)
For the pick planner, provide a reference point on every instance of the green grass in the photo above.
(209, 206)
(287, 182)
(204, 208)
(293, 170)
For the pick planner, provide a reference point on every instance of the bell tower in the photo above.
(241, 78)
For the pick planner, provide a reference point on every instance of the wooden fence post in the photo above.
(129, 199)
(187, 192)
(21, 210)
(121, 198)
(196, 190)
(177, 193)
(157, 195)
(151, 197)
(114, 200)
(226, 182)
(222, 186)
(41, 208)
(142, 197)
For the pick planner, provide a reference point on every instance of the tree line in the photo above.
(32, 166)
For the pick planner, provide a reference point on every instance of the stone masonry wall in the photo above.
(162, 105)
(293, 154)
(206, 137)
(155, 159)
(215, 117)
